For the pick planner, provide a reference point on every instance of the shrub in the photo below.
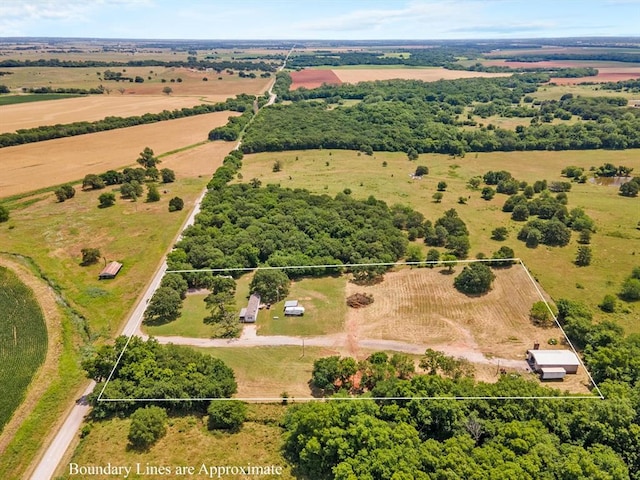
(226, 415)
(90, 256)
(168, 175)
(153, 195)
(277, 166)
(487, 193)
(540, 314)
(421, 170)
(630, 290)
(474, 279)
(500, 233)
(106, 200)
(4, 214)
(65, 192)
(583, 257)
(147, 426)
(442, 186)
(175, 204)
(608, 304)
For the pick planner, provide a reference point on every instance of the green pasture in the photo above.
(616, 245)
(23, 341)
(14, 99)
(136, 234)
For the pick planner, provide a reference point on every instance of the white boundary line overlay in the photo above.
(598, 396)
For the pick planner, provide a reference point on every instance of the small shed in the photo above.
(565, 359)
(290, 303)
(294, 311)
(110, 271)
(251, 312)
(552, 373)
(243, 314)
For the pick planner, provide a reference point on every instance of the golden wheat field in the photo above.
(38, 165)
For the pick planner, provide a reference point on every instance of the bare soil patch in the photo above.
(311, 78)
(605, 74)
(43, 164)
(424, 74)
(92, 108)
(422, 306)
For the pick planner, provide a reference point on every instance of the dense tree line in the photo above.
(219, 66)
(632, 85)
(47, 132)
(233, 128)
(150, 370)
(592, 56)
(428, 57)
(76, 91)
(427, 118)
(241, 226)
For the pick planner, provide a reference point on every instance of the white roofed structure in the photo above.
(566, 359)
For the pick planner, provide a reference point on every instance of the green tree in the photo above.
(474, 182)
(277, 166)
(499, 257)
(175, 204)
(177, 282)
(520, 213)
(437, 197)
(132, 190)
(412, 154)
(449, 261)
(500, 233)
(325, 373)
(164, 306)
(442, 186)
(540, 315)
(488, 193)
(583, 257)
(474, 279)
(168, 175)
(459, 245)
(90, 256)
(271, 285)
(147, 158)
(226, 415)
(433, 256)
(421, 170)
(585, 236)
(153, 195)
(65, 192)
(93, 182)
(534, 236)
(630, 290)
(4, 214)
(608, 304)
(148, 425)
(106, 199)
(414, 254)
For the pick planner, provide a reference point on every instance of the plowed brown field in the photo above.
(92, 108)
(43, 164)
(356, 75)
(422, 306)
(311, 78)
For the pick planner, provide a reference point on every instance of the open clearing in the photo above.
(355, 75)
(91, 108)
(53, 162)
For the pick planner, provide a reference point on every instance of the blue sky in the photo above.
(319, 19)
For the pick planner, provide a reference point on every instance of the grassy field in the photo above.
(23, 341)
(38, 165)
(325, 309)
(615, 245)
(134, 233)
(189, 324)
(269, 371)
(430, 74)
(19, 99)
(259, 442)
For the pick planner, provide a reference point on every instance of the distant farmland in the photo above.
(23, 341)
(43, 164)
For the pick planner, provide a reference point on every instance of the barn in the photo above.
(549, 362)
(250, 314)
(110, 271)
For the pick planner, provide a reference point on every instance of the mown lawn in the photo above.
(13, 99)
(616, 245)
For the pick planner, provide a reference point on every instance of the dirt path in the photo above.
(47, 372)
(347, 341)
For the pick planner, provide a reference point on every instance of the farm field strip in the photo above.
(43, 164)
(92, 108)
(492, 329)
(429, 74)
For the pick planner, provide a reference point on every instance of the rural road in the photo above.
(52, 457)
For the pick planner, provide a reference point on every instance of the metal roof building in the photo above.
(548, 359)
(251, 312)
(110, 271)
